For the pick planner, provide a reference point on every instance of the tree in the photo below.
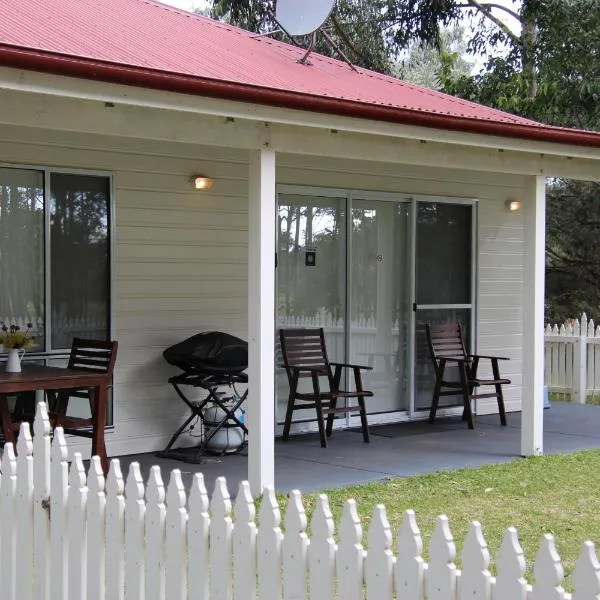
(572, 250)
(568, 70)
(424, 62)
(568, 94)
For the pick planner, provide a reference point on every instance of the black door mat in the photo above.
(415, 428)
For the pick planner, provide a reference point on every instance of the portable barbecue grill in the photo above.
(213, 361)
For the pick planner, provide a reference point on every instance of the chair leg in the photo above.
(321, 422)
(60, 401)
(330, 416)
(288, 418)
(499, 394)
(319, 409)
(363, 419)
(361, 404)
(290, 408)
(467, 414)
(436, 393)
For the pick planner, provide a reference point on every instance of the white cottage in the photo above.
(109, 108)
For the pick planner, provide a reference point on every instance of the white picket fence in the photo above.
(572, 359)
(68, 535)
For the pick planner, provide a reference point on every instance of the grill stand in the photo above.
(211, 383)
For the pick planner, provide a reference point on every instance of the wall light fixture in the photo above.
(201, 182)
(513, 205)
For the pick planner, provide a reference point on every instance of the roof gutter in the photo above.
(58, 64)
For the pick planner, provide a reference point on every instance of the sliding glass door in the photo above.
(380, 299)
(372, 269)
(311, 276)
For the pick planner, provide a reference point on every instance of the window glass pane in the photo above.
(22, 249)
(311, 278)
(443, 253)
(79, 252)
(381, 300)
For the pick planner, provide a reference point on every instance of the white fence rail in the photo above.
(572, 358)
(68, 535)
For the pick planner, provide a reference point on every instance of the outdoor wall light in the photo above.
(202, 183)
(513, 205)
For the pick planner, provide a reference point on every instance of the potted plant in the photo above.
(15, 341)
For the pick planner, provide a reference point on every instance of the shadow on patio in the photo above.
(397, 450)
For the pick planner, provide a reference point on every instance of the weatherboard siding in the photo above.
(180, 263)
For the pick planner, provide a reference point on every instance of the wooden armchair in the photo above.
(446, 347)
(86, 355)
(304, 355)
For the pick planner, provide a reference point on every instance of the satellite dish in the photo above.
(302, 18)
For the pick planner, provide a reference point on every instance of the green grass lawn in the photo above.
(550, 494)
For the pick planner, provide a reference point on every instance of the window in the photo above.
(55, 254)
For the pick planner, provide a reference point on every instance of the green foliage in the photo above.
(567, 54)
(572, 250)
(425, 63)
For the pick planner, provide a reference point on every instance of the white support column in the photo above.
(532, 400)
(261, 320)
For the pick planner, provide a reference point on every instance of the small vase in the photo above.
(13, 364)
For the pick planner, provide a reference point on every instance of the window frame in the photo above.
(47, 173)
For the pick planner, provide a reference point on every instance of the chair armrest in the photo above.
(489, 357)
(337, 364)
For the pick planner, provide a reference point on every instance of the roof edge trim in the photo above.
(71, 66)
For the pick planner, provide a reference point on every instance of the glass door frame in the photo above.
(472, 306)
(349, 195)
(412, 201)
(394, 416)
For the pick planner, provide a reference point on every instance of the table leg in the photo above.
(98, 396)
(7, 429)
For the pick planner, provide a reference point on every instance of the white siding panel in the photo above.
(500, 326)
(181, 256)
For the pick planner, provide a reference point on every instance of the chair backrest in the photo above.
(445, 340)
(93, 355)
(303, 348)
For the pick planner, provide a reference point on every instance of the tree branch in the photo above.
(484, 9)
(345, 38)
(489, 5)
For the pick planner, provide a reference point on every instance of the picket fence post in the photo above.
(198, 527)
(41, 502)
(7, 518)
(580, 361)
(24, 512)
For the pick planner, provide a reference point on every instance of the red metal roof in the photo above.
(146, 43)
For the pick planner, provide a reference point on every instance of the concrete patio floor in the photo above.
(397, 450)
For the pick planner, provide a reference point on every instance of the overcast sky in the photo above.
(185, 4)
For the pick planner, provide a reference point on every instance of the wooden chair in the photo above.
(446, 347)
(86, 355)
(304, 355)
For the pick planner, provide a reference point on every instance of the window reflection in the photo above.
(22, 248)
(79, 250)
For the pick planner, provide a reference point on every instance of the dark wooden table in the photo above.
(55, 379)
